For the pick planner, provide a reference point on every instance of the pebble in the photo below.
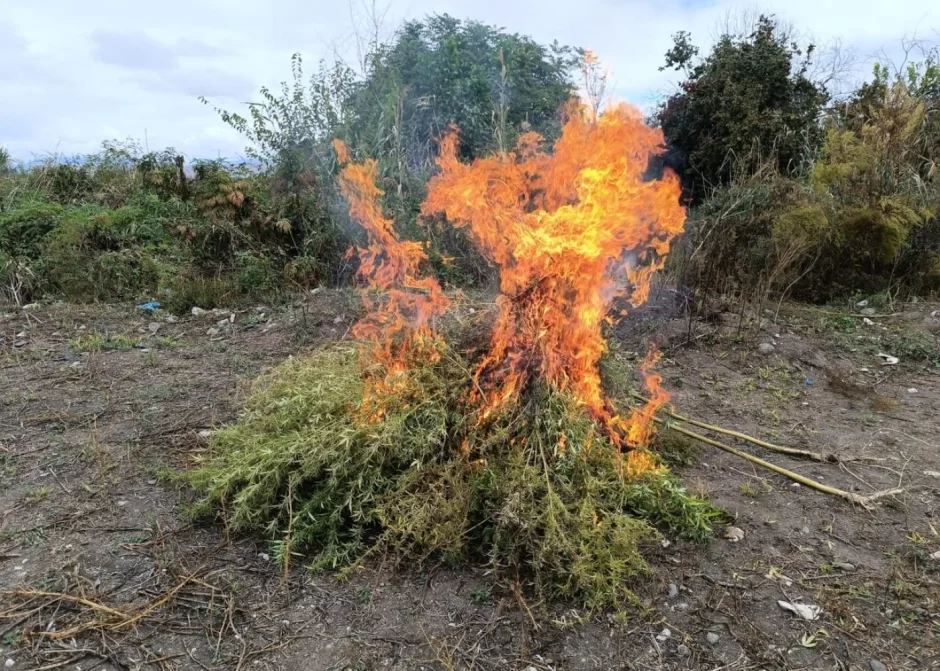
(663, 635)
(868, 311)
(212, 332)
(805, 531)
(712, 638)
(673, 590)
(197, 312)
(9, 663)
(765, 348)
(734, 534)
(122, 503)
(153, 327)
(683, 650)
(844, 566)
(875, 665)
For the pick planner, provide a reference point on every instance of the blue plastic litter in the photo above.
(809, 382)
(149, 307)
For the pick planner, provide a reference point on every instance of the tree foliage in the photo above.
(748, 101)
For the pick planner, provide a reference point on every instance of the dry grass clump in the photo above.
(539, 491)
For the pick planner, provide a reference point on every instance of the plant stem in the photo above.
(864, 501)
(815, 456)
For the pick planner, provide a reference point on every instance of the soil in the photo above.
(101, 407)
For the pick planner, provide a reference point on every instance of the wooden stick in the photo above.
(864, 501)
(792, 451)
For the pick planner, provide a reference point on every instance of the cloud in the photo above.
(208, 83)
(110, 68)
(132, 50)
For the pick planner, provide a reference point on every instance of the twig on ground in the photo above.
(864, 501)
(815, 456)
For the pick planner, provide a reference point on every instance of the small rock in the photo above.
(171, 319)
(875, 665)
(867, 322)
(912, 390)
(765, 348)
(844, 566)
(663, 635)
(197, 312)
(20, 343)
(673, 590)
(212, 332)
(122, 503)
(9, 663)
(683, 650)
(151, 482)
(734, 534)
(265, 556)
(805, 531)
(339, 320)
(936, 555)
(205, 433)
(153, 327)
(869, 311)
(682, 606)
(712, 638)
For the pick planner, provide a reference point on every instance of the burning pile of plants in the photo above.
(401, 443)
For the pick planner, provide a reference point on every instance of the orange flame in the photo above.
(399, 323)
(570, 232)
(640, 426)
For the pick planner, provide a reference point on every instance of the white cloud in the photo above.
(110, 68)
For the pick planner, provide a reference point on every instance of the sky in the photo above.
(74, 74)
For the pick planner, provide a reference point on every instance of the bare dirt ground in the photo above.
(100, 567)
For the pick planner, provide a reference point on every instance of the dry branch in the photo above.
(792, 451)
(864, 501)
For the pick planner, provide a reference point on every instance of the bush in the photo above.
(97, 254)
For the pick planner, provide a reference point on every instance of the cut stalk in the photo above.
(864, 501)
(792, 451)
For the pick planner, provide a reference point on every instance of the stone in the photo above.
(712, 638)
(844, 566)
(197, 312)
(765, 348)
(153, 327)
(673, 590)
(734, 534)
(683, 650)
(875, 665)
(869, 311)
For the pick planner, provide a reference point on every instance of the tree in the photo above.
(749, 101)
(443, 71)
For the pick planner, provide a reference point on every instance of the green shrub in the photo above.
(23, 228)
(255, 274)
(98, 254)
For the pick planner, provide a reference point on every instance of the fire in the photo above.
(640, 426)
(399, 324)
(570, 232)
